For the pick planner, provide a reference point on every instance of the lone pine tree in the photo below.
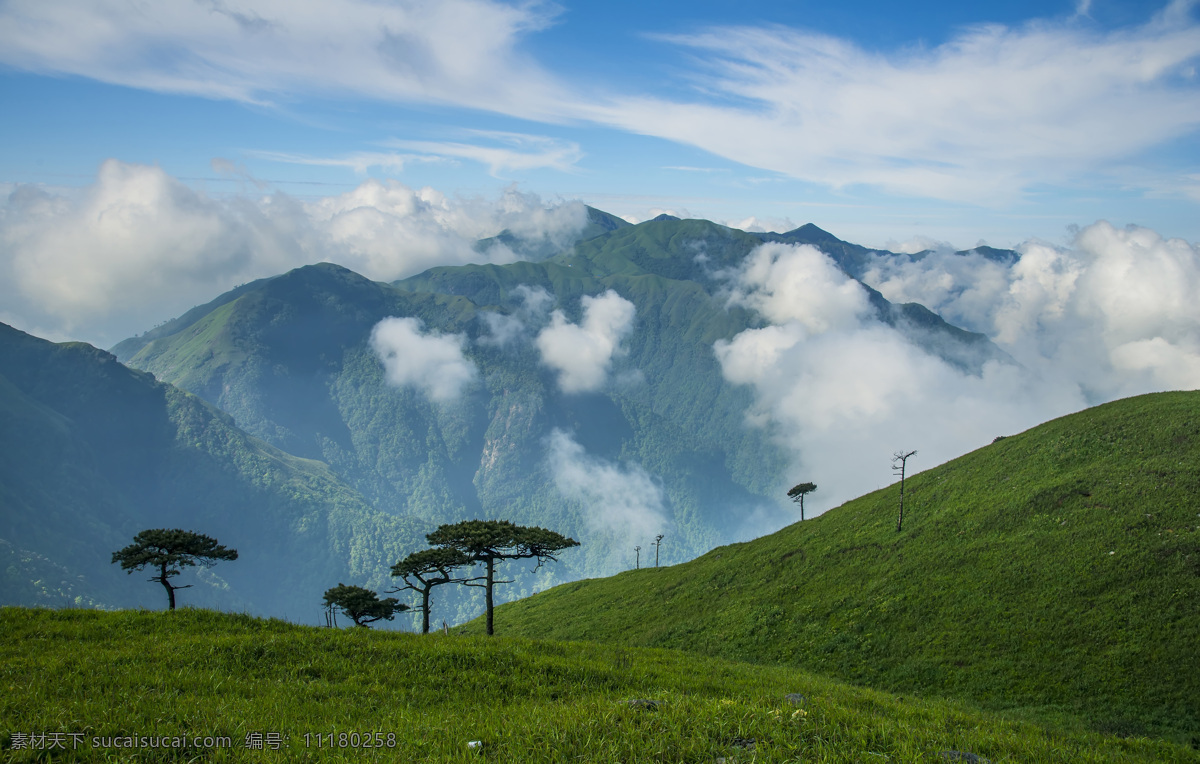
(168, 551)
(797, 495)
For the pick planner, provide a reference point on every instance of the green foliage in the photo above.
(1054, 573)
(362, 606)
(483, 540)
(201, 673)
(171, 549)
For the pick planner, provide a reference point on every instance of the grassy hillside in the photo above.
(94, 452)
(1054, 572)
(195, 673)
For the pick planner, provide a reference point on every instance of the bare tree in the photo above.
(899, 462)
(797, 494)
(637, 560)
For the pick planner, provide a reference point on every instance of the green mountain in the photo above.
(289, 359)
(95, 452)
(1055, 572)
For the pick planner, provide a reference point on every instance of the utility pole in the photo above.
(899, 461)
(657, 543)
(637, 550)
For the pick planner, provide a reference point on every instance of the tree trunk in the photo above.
(491, 561)
(162, 579)
(425, 610)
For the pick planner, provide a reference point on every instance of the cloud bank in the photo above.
(1111, 316)
(430, 362)
(1115, 313)
(620, 501)
(138, 246)
(582, 354)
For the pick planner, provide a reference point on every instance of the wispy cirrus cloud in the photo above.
(457, 52)
(501, 152)
(986, 117)
(981, 118)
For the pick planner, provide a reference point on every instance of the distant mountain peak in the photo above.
(663, 216)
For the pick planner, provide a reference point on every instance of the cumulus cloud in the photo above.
(789, 283)
(138, 246)
(430, 362)
(1112, 315)
(621, 501)
(1114, 312)
(843, 391)
(582, 354)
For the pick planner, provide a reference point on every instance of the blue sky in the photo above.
(884, 123)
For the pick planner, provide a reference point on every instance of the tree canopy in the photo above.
(486, 541)
(169, 551)
(362, 606)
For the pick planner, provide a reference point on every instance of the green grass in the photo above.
(200, 673)
(1053, 575)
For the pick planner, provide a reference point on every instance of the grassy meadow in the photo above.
(198, 673)
(1053, 575)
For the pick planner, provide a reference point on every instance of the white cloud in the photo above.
(983, 117)
(135, 245)
(461, 52)
(1115, 312)
(502, 152)
(621, 501)
(980, 118)
(1112, 315)
(843, 390)
(799, 283)
(516, 152)
(138, 246)
(430, 362)
(582, 354)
